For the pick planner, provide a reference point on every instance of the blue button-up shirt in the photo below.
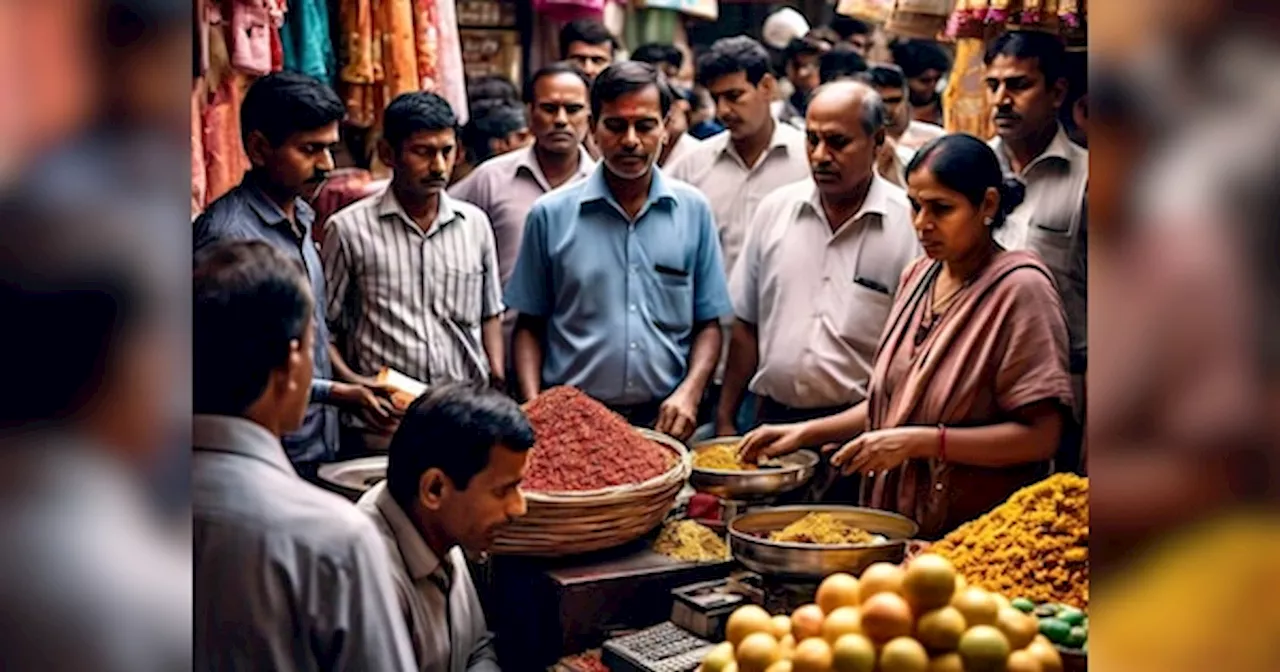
(246, 213)
(621, 296)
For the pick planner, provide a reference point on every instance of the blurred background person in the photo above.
(801, 62)
(905, 135)
(840, 62)
(679, 143)
(494, 129)
(854, 32)
(925, 63)
(588, 44)
(702, 114)
(665, 57)
(267, 542)
(491, 88)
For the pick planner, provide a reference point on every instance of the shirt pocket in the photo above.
(1054, 245)
(865, 312)
(459, 295)
(672, 302)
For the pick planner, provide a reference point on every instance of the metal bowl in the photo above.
(812, 562)
(354, 477)
(797, 469)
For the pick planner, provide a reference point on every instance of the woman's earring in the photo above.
(990, 221)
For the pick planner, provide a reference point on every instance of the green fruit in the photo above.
(1055, 630)
(1071, 616)
(1076, 638)
(1024, 605)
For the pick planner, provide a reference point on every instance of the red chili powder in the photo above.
(581, 445)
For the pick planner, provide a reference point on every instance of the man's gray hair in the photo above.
(871, 108)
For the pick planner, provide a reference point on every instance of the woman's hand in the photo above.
(771, 441)
(884, 449)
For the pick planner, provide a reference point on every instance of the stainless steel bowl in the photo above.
(796, 470)
(748, 539)
(353, 477)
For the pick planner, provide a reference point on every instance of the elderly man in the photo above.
(815, 282)
(619, 283)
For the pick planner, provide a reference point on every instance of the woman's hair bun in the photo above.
(1012, 193)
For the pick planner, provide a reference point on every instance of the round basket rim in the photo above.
(679, 470)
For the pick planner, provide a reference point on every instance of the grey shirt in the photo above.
(438, 599)
(287, 576)
(246, 213)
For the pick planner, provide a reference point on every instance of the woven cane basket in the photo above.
(568, 523)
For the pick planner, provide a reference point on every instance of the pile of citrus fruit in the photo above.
(923, 618)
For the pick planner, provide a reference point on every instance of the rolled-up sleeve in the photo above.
(529, 289)
(710, 290)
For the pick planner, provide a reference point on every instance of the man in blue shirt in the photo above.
(289, 122)
(619, 283)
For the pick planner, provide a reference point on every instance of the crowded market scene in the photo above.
(632, 335)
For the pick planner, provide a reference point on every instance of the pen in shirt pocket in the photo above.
(871, 284)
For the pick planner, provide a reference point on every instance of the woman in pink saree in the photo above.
(970, 387)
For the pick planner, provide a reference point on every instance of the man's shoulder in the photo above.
(228, 212)
(356, 214)
(493, 170)
(471, 213)
(561, 198)
(697, 158)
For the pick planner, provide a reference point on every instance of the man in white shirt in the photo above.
(813, 288)
(906, 135)
(453, 480)
(287, 576)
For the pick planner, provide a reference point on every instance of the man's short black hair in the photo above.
(655, 54)
(915, 57)
(626, 77)
(491, 121)
(551, 70)
(884, 76)
(491, 87)
(1048, 50)
(283, 103)
(803, 46)
(416, 112)
(842, 61)
(847, 26)
(728, 55)
(452, 428)
(250, 301)
(587, 31)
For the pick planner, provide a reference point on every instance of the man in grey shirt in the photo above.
(453, 480)
(287, 576)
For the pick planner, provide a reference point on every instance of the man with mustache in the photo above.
(736, 170)
(507, 186)
(413, 273)
(813, 287)
(289, 122)
(1026, 86)
(619, 284)
(453, 481)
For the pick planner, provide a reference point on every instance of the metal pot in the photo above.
(748, 539)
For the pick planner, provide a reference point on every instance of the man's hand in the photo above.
(373, 404)
(678, 416)
(771, 441)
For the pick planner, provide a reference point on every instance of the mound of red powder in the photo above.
(581, 445)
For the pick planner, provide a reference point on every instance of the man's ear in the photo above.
(385, 153)
(431, 488)
(257, 148)
(769, 85)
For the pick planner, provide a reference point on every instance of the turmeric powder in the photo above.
(1035, 545)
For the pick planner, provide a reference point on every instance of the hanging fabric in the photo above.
(305, 40)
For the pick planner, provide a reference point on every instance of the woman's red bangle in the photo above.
(942, 442)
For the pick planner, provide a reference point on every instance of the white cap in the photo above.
(783, 26)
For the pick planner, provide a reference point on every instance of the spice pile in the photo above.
(1035, 545)
(723, 457)
(689, 541)
(581, 445)
(822, 528)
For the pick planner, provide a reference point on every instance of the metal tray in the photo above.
(811, 561)
(797, 469)
(354, 477)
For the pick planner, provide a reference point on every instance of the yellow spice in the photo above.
(689, 541)
(821, 528)
(722, 456)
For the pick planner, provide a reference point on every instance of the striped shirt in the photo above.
(408, 299)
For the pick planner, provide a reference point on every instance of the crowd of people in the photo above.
(799, 254)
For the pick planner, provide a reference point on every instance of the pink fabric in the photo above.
(251, 31)
(450, 78)
(569, 10)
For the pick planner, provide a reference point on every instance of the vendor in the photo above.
(454, 470)
(970, 389)
(619, 284)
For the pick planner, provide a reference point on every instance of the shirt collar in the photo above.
(778, 140)
(224, 433)
(596, 189)
(271, 213)
(528, 160)
(389, 206)
(1059, 149)
(419, 560)
(876, 201)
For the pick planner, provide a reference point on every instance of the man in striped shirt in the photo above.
(413, 273)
